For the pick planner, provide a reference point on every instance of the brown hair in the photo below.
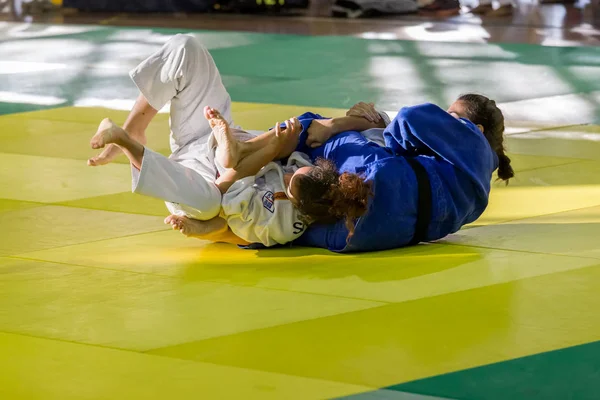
(482, 111)
(326, 196)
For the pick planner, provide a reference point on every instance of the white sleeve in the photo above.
(375, 135)
(260, 216)
(386, 118)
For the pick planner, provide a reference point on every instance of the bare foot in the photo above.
(107, 134)
(191, 227)
(108, 154)
(228, 152)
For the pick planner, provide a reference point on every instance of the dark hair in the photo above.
(326, 196)
(482, 111)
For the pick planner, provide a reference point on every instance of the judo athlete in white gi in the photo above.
(258, 208)
(183, 72)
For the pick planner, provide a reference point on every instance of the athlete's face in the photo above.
(458, 109)
(292, 183)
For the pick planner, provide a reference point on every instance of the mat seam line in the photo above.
(144, 353)
(381, 302)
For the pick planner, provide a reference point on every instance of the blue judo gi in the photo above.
(456, 156)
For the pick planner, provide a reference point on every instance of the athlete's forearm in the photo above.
(266, 139)
(359, 124)
(321, 130)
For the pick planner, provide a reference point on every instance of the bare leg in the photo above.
(251, 163)
(333, 126)
(248, 166)
(110, 134)
(138, 120)
(215, 230)
(228, 147)
(266, 139)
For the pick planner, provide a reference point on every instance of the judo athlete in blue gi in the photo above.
(431, 178)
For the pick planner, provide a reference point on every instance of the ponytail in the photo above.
(482, 111)
(505, 170)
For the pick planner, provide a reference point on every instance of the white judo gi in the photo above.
(256, 208)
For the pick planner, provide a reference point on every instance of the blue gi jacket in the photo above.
(455, 154)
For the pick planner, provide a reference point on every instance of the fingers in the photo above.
(369, 112)
(296, 126)
(356, 112)
(288, 126)
(364, 110)
(374, 112)
(278, 129)
(292, 126)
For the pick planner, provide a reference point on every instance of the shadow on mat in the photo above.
(298, 263)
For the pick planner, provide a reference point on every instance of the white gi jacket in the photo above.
(257, 208)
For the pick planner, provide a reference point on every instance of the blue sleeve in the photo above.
(332, 237)
(428, 130)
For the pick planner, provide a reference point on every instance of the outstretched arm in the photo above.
(360, 117)
(321, 130)
(286, 148)
(318, 130)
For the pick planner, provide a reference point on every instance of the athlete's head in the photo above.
(484, 113)
(323, 195)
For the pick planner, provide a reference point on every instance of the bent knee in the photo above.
(190, 43)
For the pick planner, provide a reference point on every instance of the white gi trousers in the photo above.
(184, 73)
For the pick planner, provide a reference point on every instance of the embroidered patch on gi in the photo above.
(268, 201)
